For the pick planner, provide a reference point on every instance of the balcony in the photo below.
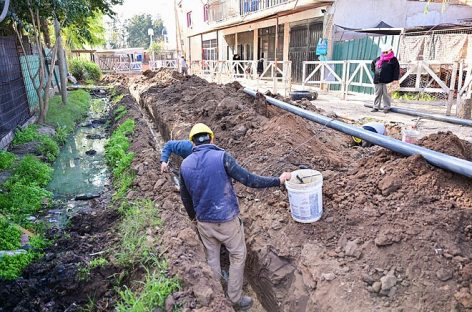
(226, 9)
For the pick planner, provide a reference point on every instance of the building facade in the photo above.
(289, 30)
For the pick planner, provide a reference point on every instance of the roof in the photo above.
(124, 50)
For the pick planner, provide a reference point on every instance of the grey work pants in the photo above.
(231, 234)
(381, 91)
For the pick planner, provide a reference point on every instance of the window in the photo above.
(205, 12)
(189, 19)
(210, 49)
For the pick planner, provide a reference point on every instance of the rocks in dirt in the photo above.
(376, 287)
(95, 137)
(169, 304)
(389, 184)
(159, 183)
(203, 294)
(91, 152)
(386, 238)
(26, 148)
(87, 196)
(352, 249)
(466, 272)
(388, 284)
(47, 130)
(328, 276)
(464, 297)
(444, 274)
(368, 279)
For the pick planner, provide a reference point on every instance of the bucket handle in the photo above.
(310, 176)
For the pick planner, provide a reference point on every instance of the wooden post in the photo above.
(61, 57)
(452, 88)
(459, 86)
(274, 77)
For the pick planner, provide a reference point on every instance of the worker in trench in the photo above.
(209, 198)
(376, 127)
(181, 148)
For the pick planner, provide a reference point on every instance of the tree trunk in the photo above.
(465, 110)
(45, 31)
(61, 57)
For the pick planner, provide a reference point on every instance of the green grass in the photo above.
(6, 160)
(98, 262)
(49, 148)
(9, 235)
(67, 116)
(31, 171)
(151, 294)
(413, 96)
(120, 112)
(135, 249)
(119, 159)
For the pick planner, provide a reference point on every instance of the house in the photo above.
(289, 30)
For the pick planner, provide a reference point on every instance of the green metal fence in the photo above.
(366, 48)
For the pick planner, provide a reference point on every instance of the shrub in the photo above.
(9, 235)
(84, 70)
(11, 266)
(6, 160)
(31, 171)
(49, 148)
(26, 135)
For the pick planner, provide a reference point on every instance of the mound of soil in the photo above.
(396, 232)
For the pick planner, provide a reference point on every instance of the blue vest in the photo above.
(210, 187)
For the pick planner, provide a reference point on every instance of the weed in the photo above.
(9, 235)
(83, 273)
(120, 112)
(116, 98)
(135, 248)
(67, 116)
(90, 306)
(11, 266)
(98, 262)
(48, 148)
(61, 135)
(31, 170)
(26, 135)
(6, 160)
(153, 293)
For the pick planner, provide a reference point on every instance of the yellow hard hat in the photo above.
(357, 140)
(200, 128)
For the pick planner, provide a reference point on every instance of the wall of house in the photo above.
(396, 13)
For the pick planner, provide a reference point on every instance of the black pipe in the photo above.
(450, 119)
(437, 159)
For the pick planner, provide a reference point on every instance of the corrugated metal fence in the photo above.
(13, 100)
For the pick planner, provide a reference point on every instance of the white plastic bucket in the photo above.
(410, 136)
(306, 202)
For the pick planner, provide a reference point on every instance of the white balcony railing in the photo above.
(225, 9)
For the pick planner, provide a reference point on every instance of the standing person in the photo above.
(386, 70)
(183, 66)
(236, 58)
(207, 193)
(182, 148)
(260, 65)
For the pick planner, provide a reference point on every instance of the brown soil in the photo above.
(390, 222)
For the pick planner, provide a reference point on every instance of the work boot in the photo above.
(244, 303)
(374, 110)
(386, 110)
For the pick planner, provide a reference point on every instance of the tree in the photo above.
(137, 30)
(94, 35)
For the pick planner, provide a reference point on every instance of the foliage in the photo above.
(48, 148)
(138, 218)
(22, 200)
(9, 235)
(155, 289)
(98, 262)
(156, 47)
(6, 160)
(120, 112)
(413, 96)
(26, 135)
(84, 70)
(11, 266)
(77, 36)
(119, 159)
(66, 116)
(31, 171)
(137, 30)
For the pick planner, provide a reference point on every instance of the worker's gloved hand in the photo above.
(284, 177)
(164, 167)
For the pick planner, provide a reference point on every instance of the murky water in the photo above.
(75, 171)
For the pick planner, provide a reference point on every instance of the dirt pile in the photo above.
(396, 232)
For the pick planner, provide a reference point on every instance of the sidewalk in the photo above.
(353, 108)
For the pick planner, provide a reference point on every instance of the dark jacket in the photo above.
(206, 188)
(182, 148)
(390, 71)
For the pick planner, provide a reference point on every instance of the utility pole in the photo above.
(61, 57)
(177, 34)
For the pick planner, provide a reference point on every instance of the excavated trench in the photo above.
(395, 234)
